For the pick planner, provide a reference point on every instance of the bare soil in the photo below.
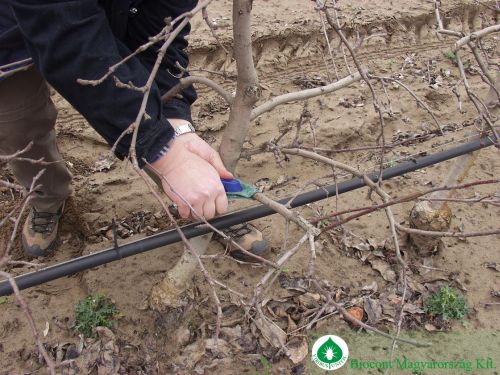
(290, 54)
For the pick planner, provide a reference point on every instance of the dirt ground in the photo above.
(289, 51)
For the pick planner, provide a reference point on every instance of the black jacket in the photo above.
(71, 39)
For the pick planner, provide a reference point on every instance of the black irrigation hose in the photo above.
(197, 229)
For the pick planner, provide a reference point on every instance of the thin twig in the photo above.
(29, 316)
(187, 81)
(447, 234)
(412, 93)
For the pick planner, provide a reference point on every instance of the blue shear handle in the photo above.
(231, 186)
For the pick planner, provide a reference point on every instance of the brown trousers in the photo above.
(27, 114)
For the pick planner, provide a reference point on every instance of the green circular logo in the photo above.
(330, 352)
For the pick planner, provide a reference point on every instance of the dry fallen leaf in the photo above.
(427, 262)
(384, 269)
(232, 333)
(412, 309)
(106, 352)
(430, 327)
(271, 332)
(373, 310)
(415, 287)
(298, 284)
(373, 287)
(193, 353)
(454, 277)
(389, 309)
(492, 266)
(297, 350)
(362, 246)
(309, 300)
(291, 325)
(46, 330)
(218, 347)
(104, 163)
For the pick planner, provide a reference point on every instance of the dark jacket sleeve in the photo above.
(72, 39)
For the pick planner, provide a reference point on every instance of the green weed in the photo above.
(94, 311)
(450, 55)
(267, 366)
(447, 303)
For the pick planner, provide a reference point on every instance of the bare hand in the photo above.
(193, 170)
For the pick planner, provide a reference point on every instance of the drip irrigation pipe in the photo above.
(199, 228)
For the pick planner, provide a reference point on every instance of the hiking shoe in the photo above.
(40, 232)
(249, 238)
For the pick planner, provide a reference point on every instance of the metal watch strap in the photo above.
(183, 129)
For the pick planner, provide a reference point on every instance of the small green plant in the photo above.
(267, 366)
(447, 303)
(391, 163)
(323, 223)
(450, 55)
(94, 311)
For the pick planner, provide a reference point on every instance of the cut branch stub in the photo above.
(436, 216)
(171, 292)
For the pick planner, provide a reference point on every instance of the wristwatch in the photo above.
(179, 130)
(183, 129)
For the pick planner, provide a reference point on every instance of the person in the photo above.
(69, 40)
